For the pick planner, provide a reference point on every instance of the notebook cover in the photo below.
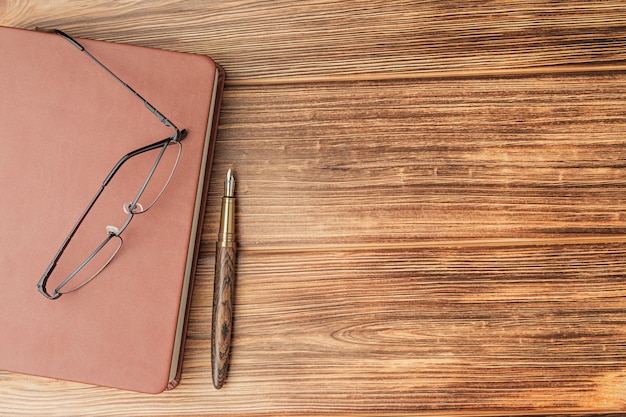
(64, 123)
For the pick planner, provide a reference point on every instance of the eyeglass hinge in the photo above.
(42, 283)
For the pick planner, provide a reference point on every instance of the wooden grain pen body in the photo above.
(223, 293)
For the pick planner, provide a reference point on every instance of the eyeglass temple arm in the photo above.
(155, 145)
(149, 106)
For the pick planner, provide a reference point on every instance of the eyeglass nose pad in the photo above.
(112, 230)
(138, 208)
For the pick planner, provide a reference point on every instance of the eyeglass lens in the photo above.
(134, 189)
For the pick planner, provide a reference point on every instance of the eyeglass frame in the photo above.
(131, 208)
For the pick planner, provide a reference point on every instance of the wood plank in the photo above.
(282, 41)
(424, 161)
(412, 331)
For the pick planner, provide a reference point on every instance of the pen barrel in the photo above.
(223, 293)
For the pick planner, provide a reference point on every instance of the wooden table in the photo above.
(431, 206)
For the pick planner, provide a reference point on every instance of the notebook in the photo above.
(64, 123)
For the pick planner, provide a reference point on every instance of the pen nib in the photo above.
(229, 184)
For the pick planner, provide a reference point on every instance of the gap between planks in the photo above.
(468, 243)
(429, 75)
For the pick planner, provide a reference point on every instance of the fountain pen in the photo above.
(223, 291)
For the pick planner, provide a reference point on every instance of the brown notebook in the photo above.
(64, 124)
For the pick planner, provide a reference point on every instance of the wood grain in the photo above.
(281, 41)
(407, 162)
(430, 207)
(484, 330)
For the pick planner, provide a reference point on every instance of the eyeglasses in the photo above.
(132, 187)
